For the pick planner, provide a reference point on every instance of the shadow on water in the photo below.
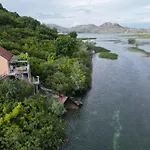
(116, 111)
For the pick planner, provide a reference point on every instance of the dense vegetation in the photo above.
(94, 47)
(62, 61)
(28, 122)
(108, 55)
(103, 52)
(99, 49)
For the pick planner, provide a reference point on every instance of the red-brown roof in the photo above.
(6, 54)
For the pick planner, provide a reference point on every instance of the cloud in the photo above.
(72, 12)
(76, 3)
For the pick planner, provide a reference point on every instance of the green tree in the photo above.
(32, 124)
(131, 41)
(66, 45)
(73, 34)
(29, 122)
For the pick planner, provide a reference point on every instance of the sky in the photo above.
(67, 13)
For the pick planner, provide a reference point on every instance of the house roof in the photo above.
(6, 54)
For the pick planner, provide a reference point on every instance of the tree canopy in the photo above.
(63, 64)
(73, 34)
(28, 122)
(50, 55)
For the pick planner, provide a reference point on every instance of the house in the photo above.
(5, 58)
(11, 65)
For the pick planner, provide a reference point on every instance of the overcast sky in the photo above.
(68, 13)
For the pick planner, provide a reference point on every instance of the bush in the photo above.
(108, 55)
(73, 34)
(131, 41)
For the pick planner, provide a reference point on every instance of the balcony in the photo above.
(19, 67)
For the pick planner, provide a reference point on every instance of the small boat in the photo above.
(79, 103)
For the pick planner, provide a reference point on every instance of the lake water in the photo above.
(116, 111)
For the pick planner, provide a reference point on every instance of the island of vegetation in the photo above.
(103, 52)
(138, 35)
(135, 47)
(62, 62)
(87, 38)
(108, 55)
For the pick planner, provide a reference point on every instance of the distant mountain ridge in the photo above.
(59, 28)
(107, 27)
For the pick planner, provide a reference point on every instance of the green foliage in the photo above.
(10, 90)
(99, 49)
(73, 34)
(51, 56)
(108, 55)
(90, 45)
(23, 56)
(66, 45)
(63, 64)
(87, 38)
(29, 123)
(69, 75)
(131, 41)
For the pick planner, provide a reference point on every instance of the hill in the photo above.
(54, 58)
(63, 64)
(107, 27)
(84, 28)
(59, 28)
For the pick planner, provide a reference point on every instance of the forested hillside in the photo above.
(28, 121)
(62, 62)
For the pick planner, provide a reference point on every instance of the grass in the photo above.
(115, 41)
(138, 50)
(87, 38)
(99, 49)
(108, 55)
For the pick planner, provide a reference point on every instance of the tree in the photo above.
(131, 41)
(12, 90)
(73, 34)
(29, 122)
(66, 45)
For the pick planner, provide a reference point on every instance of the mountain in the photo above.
(84, 28)
(107, 27)
(59, 28)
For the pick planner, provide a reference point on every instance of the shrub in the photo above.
(131, 41)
